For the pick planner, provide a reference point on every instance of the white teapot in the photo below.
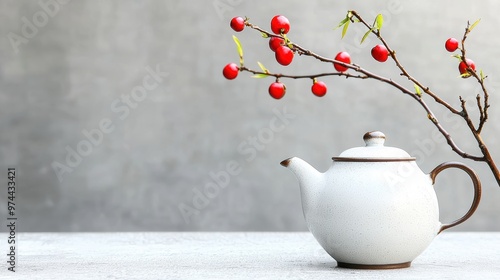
(374, 208)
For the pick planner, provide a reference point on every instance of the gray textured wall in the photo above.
(77, 71)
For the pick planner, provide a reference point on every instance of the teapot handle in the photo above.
(477, 190)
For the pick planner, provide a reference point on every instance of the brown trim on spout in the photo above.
(286, 162)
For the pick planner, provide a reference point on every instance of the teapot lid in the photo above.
(374, 150)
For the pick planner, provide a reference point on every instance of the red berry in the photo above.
(318, 88)
(462, 67)
(230, 71)
(280, 24)
(342, 57)
(284, 55)
(451, 44)
(277, 90)
(275, 43)
(237, 24)
(380, 53)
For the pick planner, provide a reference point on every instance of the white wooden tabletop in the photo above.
(253, 255)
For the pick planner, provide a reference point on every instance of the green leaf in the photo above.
(457, 56)
(474, 24)
(262, 67)
(287, 41)
(417, 90)
(481, 74)
(379, 21)
(344, 30)
(465, 75)
(260, 76)
(344, 21)
(264, 35)
(285, 38)
(366, 35)
(240, 49)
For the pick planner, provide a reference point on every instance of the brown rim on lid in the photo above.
(374, 151)
(353, 159)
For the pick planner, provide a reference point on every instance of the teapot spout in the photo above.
(311, 182)
(300, 167)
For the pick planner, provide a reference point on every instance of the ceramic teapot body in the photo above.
(374, 207)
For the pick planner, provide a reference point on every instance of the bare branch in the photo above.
(482, 103)
(405, 73)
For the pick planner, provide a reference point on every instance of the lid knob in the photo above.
(374, 138)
